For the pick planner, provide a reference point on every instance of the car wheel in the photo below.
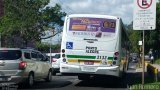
(49, 77)
(30, 80)
(54, 73)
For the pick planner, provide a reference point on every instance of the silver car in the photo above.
(23, 65)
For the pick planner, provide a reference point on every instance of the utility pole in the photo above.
(50, 50)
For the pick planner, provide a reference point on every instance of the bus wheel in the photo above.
(123, 75)
(83, 77)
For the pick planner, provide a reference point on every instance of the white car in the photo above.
(147, 58)
(56, 63)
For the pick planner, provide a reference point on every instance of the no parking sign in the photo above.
(144, 17)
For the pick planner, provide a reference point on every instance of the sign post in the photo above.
(144, 18)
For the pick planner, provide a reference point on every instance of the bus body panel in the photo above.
(94, 70)
(88, 54)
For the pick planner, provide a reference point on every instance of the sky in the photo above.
(120, 8)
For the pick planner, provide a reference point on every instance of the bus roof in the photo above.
(94, 15)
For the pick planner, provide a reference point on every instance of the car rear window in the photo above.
(10, 54)
(27, 55)
(57, 56)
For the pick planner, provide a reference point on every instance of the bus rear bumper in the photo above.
(93, 70)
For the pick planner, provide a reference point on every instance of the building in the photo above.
(1, 8)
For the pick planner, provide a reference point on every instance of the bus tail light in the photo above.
(63, 55)
(64, 60)
(114, 62)
(116, 54)
(63, 50)
(115, 58)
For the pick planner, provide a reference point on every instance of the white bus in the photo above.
(94, 45)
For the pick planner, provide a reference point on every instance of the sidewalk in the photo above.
(140, 70)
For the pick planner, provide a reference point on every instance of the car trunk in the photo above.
(9, 62)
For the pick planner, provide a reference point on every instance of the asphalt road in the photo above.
(60, 82)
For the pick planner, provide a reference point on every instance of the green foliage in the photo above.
(134, 37)
(152, 37)
(46, 47)
(28, 19)
(157, 61)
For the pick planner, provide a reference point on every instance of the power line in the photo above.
(67, 8)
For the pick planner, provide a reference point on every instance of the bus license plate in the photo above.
(88, 69)
(88, 62)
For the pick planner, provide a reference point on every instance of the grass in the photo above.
(157, 61)
(149, 82)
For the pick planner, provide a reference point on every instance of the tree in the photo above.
(46, 47)
(134, 37)
(28, 19)
(1, 8)
(152, 37)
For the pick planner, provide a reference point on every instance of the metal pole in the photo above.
(50, 51)
(143, 63)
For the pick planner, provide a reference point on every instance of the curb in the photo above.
(152, 71)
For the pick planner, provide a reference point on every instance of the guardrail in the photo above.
(152, 71)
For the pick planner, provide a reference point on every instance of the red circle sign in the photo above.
(144, 4)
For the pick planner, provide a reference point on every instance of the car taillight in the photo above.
(54, 60)
(22, 65)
